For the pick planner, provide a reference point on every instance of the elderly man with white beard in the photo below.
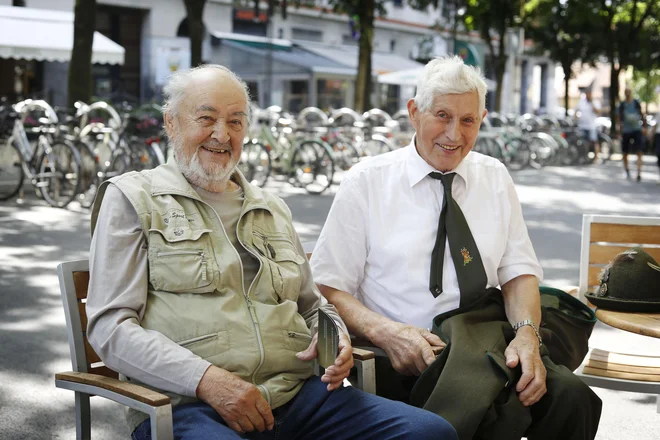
(199, 288)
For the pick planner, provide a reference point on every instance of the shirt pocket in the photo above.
(181, 260)
(284, 262)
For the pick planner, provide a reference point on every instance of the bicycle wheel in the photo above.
(89, 174)
(346, 155)
(313, 167)
(255, 163)
(58, 174)
(375, 146)
(119, 164)
(11, 170)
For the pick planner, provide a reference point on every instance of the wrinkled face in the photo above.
(208, 129)
(446, 133)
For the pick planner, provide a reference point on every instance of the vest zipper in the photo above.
(246, 295)
(174, 253)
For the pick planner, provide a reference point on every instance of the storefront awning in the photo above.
(45, 35)
(381, 62)
(411, 77)
(253, 40)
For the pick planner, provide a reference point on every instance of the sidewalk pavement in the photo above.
(34, 238)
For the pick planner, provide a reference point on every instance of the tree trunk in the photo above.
(80, 66)
(363, 81)
(614, 94)
(567, 79)
(500, 69)
(195, 11)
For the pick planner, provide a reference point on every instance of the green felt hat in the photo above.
(630, 283)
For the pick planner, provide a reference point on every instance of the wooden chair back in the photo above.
(603, 237)
(74, 281)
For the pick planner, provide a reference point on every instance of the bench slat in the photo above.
(622, 366)
(621, 233)
(603, 254)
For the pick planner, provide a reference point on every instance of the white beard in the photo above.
(213, 179)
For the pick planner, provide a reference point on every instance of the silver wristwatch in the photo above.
(530, 323)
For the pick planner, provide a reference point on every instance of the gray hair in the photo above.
(179, 81)
(449, 75)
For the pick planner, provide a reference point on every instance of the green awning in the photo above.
(468, 52)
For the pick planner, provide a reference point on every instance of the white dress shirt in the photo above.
(380, 232)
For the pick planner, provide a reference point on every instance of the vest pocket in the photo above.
(208, 346)
(284, 261)
(181, 262)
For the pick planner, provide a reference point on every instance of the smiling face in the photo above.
(446, 132)
(208, 128)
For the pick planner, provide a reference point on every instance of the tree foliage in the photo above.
(493, 19)
(566, 32)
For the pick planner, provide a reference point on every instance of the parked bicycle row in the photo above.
(66, 154)
(537, 141)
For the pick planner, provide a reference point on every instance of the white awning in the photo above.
(381, 62)
(45, 35)
(410, 77)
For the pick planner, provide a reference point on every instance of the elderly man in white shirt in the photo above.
(374, 255)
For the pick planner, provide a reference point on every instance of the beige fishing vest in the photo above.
(196, 294)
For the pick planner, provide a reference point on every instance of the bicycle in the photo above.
(306, 161)
(53, 168)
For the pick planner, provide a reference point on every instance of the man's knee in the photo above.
(423, 425)
(571, 391)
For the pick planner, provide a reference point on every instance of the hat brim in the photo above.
(623, 305)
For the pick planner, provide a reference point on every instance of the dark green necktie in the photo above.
(472, 279)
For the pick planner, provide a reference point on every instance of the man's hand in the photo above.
(524, 350)
(335, 374)
(410, 349)
(239, 403)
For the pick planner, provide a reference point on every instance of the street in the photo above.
(34, 238)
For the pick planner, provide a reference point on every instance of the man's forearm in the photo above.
(361, 321)
(522, 299)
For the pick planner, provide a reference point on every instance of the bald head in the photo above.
(182, 83)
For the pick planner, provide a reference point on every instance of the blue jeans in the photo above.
(315, 413)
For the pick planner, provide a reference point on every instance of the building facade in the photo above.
(309, 58)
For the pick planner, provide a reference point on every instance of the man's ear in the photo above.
(413, 113)
(169, 123)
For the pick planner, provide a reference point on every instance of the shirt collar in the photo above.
(418, 168)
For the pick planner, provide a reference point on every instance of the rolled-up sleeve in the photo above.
(116, 303)
(519, 257)
(340, 253)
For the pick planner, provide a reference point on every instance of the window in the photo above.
(349, 40)
(398, 3)
(307, 34)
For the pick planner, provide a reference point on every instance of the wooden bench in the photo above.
(603, 237)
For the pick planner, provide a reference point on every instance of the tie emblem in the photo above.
(466, 256)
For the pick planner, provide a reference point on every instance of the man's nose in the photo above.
(220, 131)
(452, 132)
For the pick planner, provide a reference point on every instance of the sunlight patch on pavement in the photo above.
(46, 321)
(586, 201)
(558, 226)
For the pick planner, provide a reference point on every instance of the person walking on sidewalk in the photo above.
(656, 139)
(587, 111)
(630, 123)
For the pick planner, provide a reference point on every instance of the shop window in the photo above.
(307, 34)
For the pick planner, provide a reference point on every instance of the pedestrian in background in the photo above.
(587, 111)
(655, 135)
(630, 123)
